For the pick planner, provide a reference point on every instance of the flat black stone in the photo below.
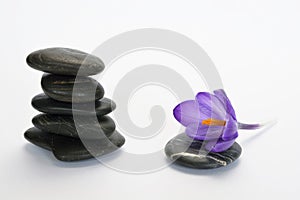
(72, 149)
(61, 88)
(65, 61)
(184, 151)
(87, 126)
(45, 104)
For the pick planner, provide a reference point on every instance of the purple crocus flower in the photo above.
(211, 118)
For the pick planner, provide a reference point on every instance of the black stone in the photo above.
(60, 88)
(65, 61)
(87, 126)
(45, 104)
(184, 151)
(73, 149)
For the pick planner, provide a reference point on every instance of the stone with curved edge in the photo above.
(65, 61)
(87, 126)
(45, 104)
(184, 151)
(72, 149)
(60, 88)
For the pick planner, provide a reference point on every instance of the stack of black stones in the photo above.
(74, 125)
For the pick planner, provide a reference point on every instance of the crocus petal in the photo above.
(230, 130)
(219, 146)
(204, 132)
(187, 112)
(223, 97)
(210, 106)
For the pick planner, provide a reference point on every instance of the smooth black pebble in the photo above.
(73, 149)
(72, 89)
(184, 151)
(45, 104)
(65, 61)
(90, 127)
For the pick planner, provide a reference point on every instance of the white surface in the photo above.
(255, 46)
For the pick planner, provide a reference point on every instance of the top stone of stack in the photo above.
(65, 61)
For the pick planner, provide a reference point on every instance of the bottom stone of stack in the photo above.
(70, 149)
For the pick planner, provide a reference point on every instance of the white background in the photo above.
(254, 44)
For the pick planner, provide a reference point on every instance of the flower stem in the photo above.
(255, 126)
(249, 126)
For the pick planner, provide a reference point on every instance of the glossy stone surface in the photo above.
(45, 104)
(65, 61)
(72, 149)
(86, 126)
(184, 151)
(60, 88)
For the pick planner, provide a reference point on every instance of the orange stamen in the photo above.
(213, 122)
